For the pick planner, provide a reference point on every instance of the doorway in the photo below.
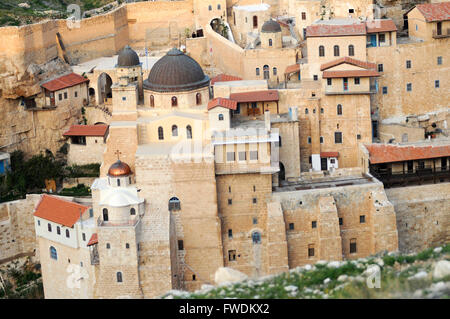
(281, 174)
(324, 164)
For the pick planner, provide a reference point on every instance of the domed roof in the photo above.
(119, 169)
(271, 26)
(127, 57)
(176, 72)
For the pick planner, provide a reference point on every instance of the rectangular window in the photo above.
(337, 137)
(408, 64)
(357, 81)
(409, 87)
(230, 201)
(439, 60)
(291, 226)
(314, 224)
(180, 245)
(60, 96)
(257, 71)
(362, 219)
(65, 95)
(254, 200)
(382, 38)
(124, 98)
(255, 220)
(358, 136)
(385, 90)
(321, 140)
(253, 155)
(49, 227)
(242, 156)
(84, 236)
(76, 94)
(329, 81)
(232, 255)
(436, 84)
(380, 68)
(309, 139)
(315, 77)
(303, 15)
(352, 246)
(230, 233)
(310, 250)
(341, 222)
(230, 156)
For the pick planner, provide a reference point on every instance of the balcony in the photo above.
(442, 34)
(419, 175)
(331, 91)
(129, 223)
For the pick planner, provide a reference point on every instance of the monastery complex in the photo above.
(254, 135)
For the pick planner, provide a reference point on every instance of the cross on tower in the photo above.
(118, 153)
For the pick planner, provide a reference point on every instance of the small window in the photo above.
(341, 221)
(39, 223)
(76, 94)
(60, 96)
(315, 77)
(436, 84)
(408, 64)
(321, 140)
(329, 81)
(351, 10)
(270, 42)
(309, 139)
(105, 214)
(321, 50)
(232, 255)
(189, 132)
(310, 250)
(230, 156)
(230, 201)
(160, 133)
(256, 237)
(274, 71)
(338, 137)
(314, 224)
(382, 38)
(174, 131)
(409, 87)
(53, 253)
(279, 145)
(218, 7)
(198, 98)
(352, 245)
(255, 220)
(174, 101)
(306, 111)
(65, 95)
(303, 15)
(339, 109)
(180, 245)
(385, 90)
(254, 200)
(439, 60)
(229, 189)
(49, 227)
(336, 50)
(58, 230)
(357, 81)
(242, 156)
(132, 211)
(351, 50)
(127, 246)
(108, 246)
(152, 101)
(118, 182)
(253, 155)
(119, 276)
(174, 204)
(67, 233)
(358, 136)
(220, 117)
(210, 7)
(257, 71)
(291, 226)
(124, 98)
(362, 219)
(230, 233)
(380, 68)
(83, 236)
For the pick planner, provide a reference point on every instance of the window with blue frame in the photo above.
(53, 253)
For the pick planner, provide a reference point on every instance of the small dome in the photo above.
(119, 169)
(271, 26)
(176, 72)
(127, 57)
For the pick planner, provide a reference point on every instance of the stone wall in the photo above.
(423, 215)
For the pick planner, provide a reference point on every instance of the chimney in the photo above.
(267, 121)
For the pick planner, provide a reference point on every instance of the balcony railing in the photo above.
(442, 34)
(330, 91)
(129, 223)
(419, 175)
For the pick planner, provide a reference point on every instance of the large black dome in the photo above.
(176, 72)
(127, 57)
(271, 26)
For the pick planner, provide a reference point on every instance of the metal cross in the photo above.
(118, 153)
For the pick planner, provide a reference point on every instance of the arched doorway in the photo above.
(281, 174)
(104, 83)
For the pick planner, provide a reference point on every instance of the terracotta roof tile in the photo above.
(349, 74)
(382, 153)
(255, 96)
(292, 68)
(327, 30)
(224, 78)
(223, 102)
(329, 154)
(380, 25)
(87, 130)
(64, 81)
(93, 240)
(435, 11)
(59, 211)
(355, 62)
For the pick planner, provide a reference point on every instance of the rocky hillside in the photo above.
(19, 12)
(422, 275)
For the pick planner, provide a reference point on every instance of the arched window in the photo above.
(152, 101)
(210, 7)
(218, 7)
(256, 237)
(118, 182)
(189, 132)
(67, 233)
(53, 253)
(174, 101)
(49, 227)
(105, 214)
(270, 42)
(339, 109)
(279, 141)
(255, 21)
(160, 133)
(58, 230)
(351, 50)
(257, 71)
(174, 204)
(336, 50)
(274, 71)
(174, 130)
(306, 111)
(198, 98)
(266, 72)
(220, 117)
(132, 211)
(321, 50)
(119, 276)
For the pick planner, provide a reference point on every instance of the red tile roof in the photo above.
(355, 62)
(64, 81)
(59, 211)
(329, 154)
(435, 11)
(87, 130)
(383, 153)
(93, 240)
(292, 68)
(380, 25)
(255, 96)
(224, 78)
(349, 74)
(328, 30)
(223, 102)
